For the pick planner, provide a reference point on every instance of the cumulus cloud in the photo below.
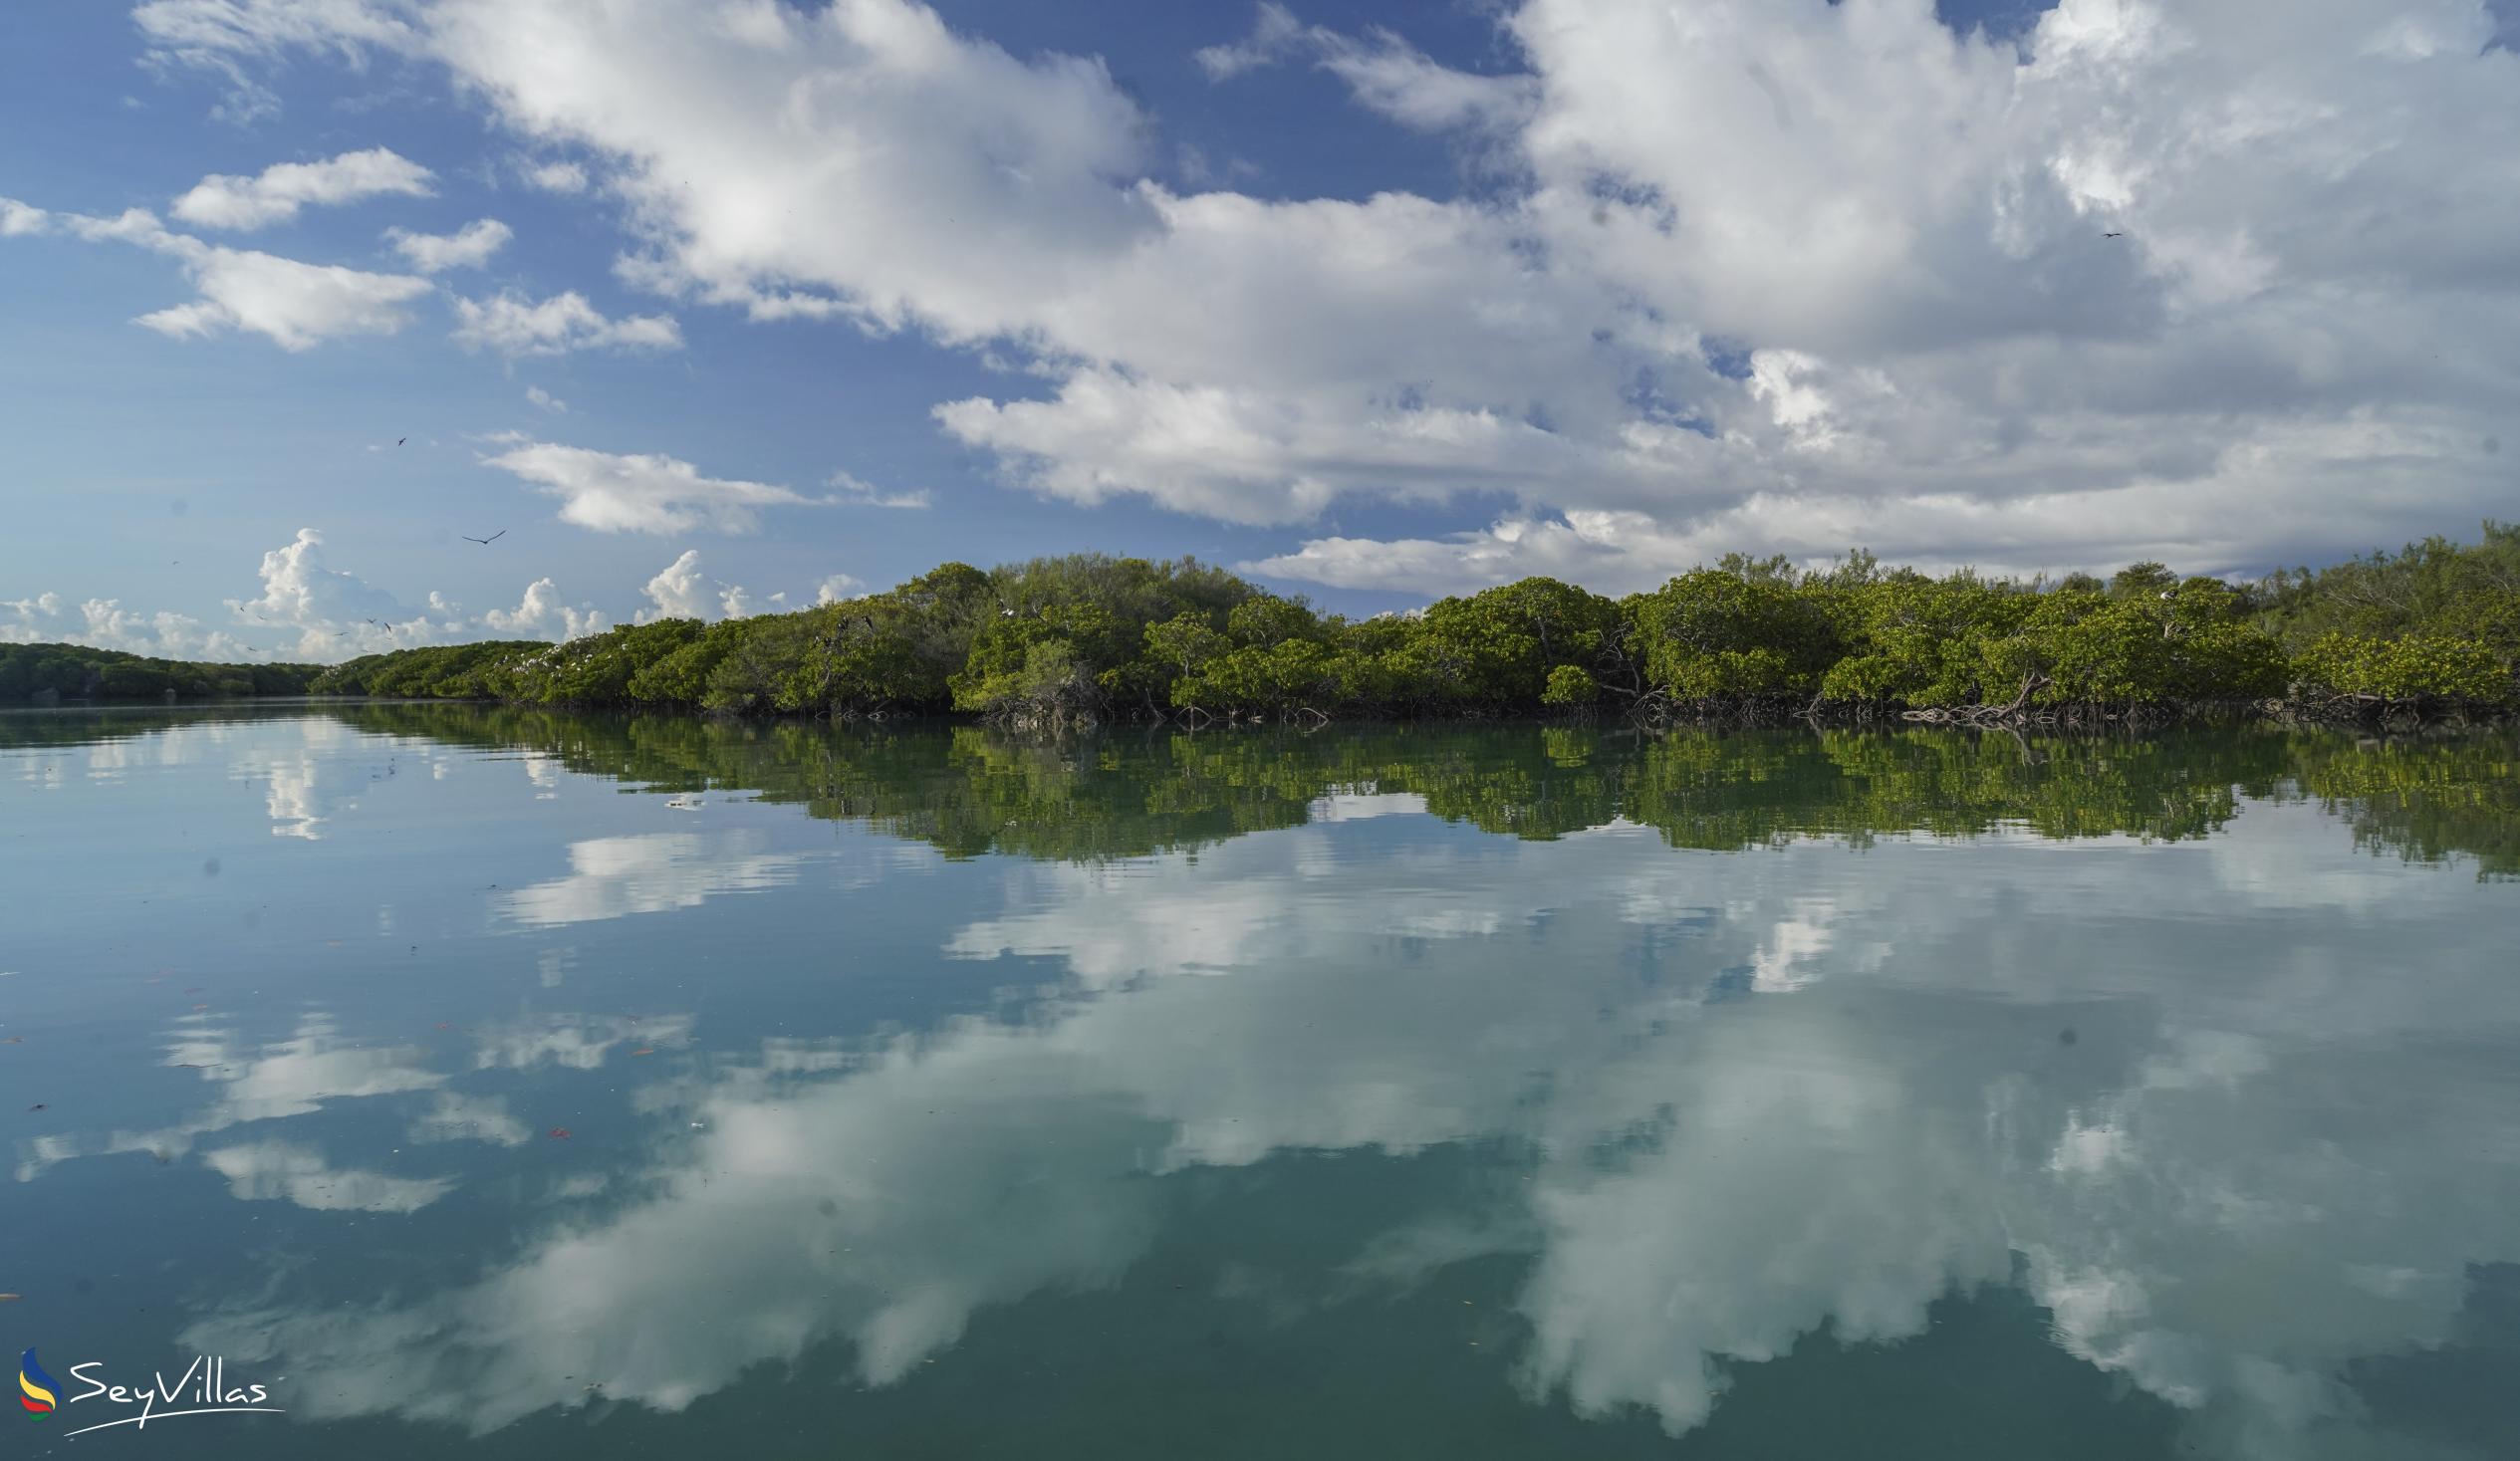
(638, 493)
(105, 624)
(839, 586)
(295, 305)
(545, 399)
(542, 614)
(337, 614)
(514, 325)
(223, 200)
(315, 610)
(681, 591)
(1775, 277)
(29, 616)
(299, 588)
(468, 247)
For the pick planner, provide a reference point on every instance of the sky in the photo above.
(720, 306)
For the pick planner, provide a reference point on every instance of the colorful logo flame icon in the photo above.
(35, 1387)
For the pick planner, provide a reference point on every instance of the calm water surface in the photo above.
(536, 1085)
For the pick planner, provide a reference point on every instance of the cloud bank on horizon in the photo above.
(2216, 283)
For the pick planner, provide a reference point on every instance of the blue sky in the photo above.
(764, 301)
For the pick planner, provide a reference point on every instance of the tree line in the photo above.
(2434, 630)
(1085, 639)
(75, 672)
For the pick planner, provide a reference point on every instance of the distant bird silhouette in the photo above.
(493, 538)
(399, 440)
(2119, 234)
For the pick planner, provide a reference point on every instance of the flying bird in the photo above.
(2119, 234)
(399, 440)
(493, 538)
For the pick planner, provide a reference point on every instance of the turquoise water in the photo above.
(548, 1085)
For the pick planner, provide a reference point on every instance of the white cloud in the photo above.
(849, 489)
(335, 614)
(105, 624)
(325, 614)
(513, 324)
(165, 634)
(205, 31)
(556, 177)
(681, 591)
(640, 493)
(545, 399)
(839, 586)
(222, 200)
(222, 36)
(543, 615)
(1773, 277)
(295, 305)
(468, 247)
(1383, 71)
(1275, 34)
(299, 589)
(29, 617)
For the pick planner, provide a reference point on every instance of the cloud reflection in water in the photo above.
(2272, 1144)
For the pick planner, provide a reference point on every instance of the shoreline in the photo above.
(1761, 713)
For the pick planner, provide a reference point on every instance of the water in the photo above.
(1486, 1092)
